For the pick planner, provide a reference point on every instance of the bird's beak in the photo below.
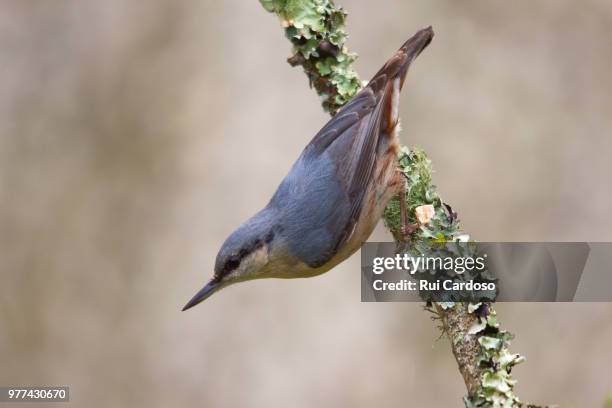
(211, 287)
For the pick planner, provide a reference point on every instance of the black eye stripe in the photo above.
(233, 261)
(231, 264)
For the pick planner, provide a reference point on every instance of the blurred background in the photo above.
(134, 136)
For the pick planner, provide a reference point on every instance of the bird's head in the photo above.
(243, 256)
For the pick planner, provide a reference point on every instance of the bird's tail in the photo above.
(398, 64)
(389, 80)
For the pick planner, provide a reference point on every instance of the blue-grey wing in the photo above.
(321, 198)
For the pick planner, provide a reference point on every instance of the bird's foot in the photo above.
(408, 229)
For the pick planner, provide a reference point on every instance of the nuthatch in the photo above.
(334, 194)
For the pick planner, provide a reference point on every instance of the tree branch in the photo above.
(316, 30)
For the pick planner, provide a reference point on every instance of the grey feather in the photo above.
(320, 200)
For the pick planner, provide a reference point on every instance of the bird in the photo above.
(328, 204)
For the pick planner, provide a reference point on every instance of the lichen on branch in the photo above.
(478, 344)
(420, 191)
(316, 30)
(481, 350)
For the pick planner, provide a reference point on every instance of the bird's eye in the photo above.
(232, 263)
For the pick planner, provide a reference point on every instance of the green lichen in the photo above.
(316, 30)
(496, 361)
(472, 307)
(446, 305)
(444, 226)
